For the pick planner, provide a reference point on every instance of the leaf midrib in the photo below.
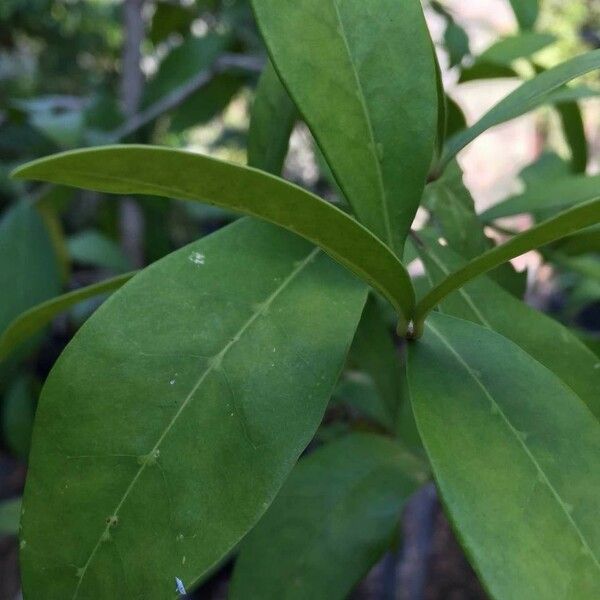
(213, 364)
(523, 445)
(363, 103)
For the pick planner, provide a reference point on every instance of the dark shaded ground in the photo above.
(430, 566)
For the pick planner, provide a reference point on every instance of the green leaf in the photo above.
(526, 12)
(528, 96)
(553, 194)
(574, 131)
(515, 455)
(550, 343)
(10, 513)
(183, 403)
(90, 247)
(500, 55)
(18, 411)
(454, 212)
(29, 271)
(36, 318)
(186, 176)
(548, 231)
(374, 353)
(334, 518)
(364, 80)
(273, 117)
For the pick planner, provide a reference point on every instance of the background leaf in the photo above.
(183, 402)
(273, 117)
(526, 97)
(36, 318)
(526, 11)
(514, 453)
(363, 78)
(332, 520)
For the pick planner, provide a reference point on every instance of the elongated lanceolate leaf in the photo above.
(547, 195)
(169, 423)
(335, 516)
(550, 343)
(553, 229)
(183, 175)
(525, 98)
(271, 122)
(515, 455)
(363, 76)
(36, 318)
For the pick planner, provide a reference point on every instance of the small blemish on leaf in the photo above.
(197, 258)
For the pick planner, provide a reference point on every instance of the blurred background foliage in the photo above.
(182, 73)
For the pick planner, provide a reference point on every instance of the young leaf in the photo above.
(554, 194)
(186, 176)
(364, 80)
(182, 403)
(273, 117)
(548, 231)
(36, 318)
(335, 516)
(515, 454)
(528, 96)
(550, 343)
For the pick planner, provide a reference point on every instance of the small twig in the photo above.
(181, 94)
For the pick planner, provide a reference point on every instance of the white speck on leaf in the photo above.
(179, 587)
(197, 258)
(172, 382)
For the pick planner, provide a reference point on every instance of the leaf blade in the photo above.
(330, 523)
(158, 440)
(375, 125)
(528, 96)
(548, 231)
(509, 444)
(173, 173)
(36, 318)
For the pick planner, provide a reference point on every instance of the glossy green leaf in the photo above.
(176, 174)
(548, 231)
(10, 513)
(528, 96)
(526, 12)
(28, 323)
(550, 343)
(364, 80)
(272, 120)
(554, 194)
(335, 516)
(169, 423)
(18, 411)
(515, 455)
